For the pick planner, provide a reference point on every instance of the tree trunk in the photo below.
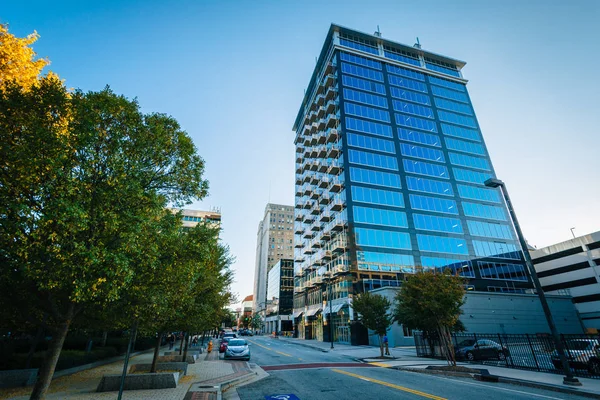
(181, 345)
(134, 340)
(381, 345)
(156, 350)
(187, 343)
(104, 337)
(36, 340)
(49, 365)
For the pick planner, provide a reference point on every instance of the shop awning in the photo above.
(334, 308)
(297, 314)
(312, 312)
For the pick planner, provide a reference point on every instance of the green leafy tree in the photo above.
(81, 173)
(373, 310)
(431, 302)
(255, 321)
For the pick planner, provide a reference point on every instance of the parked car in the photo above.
(223, 345)
(237, 349)
(581, 354)
(482, 349)
(228, 336)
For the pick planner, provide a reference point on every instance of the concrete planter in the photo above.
(170, 366)
(190, 359)
(166, 380)
(18, 377)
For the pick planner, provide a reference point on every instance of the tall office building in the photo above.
(390, 165)
(274, 241)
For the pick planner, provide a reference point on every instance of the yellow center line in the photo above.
(391, 385)
(379, 364)
(265, 347)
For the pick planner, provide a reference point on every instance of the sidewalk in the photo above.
(405, 358)
(208, 370)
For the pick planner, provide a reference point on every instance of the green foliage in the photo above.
(428, 300)
(255, 321)
(373, 310)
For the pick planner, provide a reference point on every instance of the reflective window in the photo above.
(367, 142)
(509, 272)
(439, 244)
(491, 230)
(419, 137)
(377, 196)
(362, 72)
(378, 178)
(363, 84)
(477, 193)
(411, 108)
(452, 106)
(465, 175)
(443, 70)
(411, 150)
(438, 224)
(366, 112)
(496, 249)
(378, 216)
(483, 211)
(449, 94)
(410, 96)
(367, 62)
(397, 262)
(457, 266)
(429, 186)
(359, 46)
(414, 122)
(382, 238)
(372, 159)
(446, 83)
(401, 55)
(469, 161)
(457, 119)
(423, 168)
(460, 132)
(407, 83)
(369, 127)
(467, 147)
(426, 203)
(366, 98)
(392, 69)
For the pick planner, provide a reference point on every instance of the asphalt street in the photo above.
(308, 373)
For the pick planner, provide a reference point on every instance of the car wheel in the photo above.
(470, 356)
(594, 367)
(501, 356)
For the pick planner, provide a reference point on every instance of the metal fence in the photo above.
(531, 352)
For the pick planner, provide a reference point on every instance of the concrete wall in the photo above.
(487, 312)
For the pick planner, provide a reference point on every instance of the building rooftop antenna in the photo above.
(377, 32)
(418, 44)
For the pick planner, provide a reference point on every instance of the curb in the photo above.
(224, 386)
(308, 345)
(434, 372)
(537, 385)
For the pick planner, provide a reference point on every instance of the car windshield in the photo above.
(467, 342)
(578, 344)
(237, 342)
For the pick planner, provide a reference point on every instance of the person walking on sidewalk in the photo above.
(386, 345)
(171, 340)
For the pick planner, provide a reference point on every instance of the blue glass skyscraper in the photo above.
(390, 165)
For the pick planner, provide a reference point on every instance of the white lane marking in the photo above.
(505, 389)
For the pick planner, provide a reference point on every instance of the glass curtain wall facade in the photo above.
(390, 165)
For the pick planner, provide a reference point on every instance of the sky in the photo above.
(233, 73)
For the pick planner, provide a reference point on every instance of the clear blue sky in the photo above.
(233, 74)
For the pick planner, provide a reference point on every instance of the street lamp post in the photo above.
(569, 379)
(330, 311)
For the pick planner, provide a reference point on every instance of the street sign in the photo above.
(282, 397)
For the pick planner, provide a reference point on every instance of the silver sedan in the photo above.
(237, 349)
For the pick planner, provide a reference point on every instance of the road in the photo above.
(311, 374)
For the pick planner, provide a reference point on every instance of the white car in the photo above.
(237, 349)
(581, 354)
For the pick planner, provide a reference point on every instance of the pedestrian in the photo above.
(195, 341)
(171, 340)
(386, 345)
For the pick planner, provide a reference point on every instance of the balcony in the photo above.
(315, 210)
(321, 124)
(299, 289)
(299, 244)
(308, 250)
(298, 228)
(339, 245)
(333, 150)
(339, 224)
(332, 135)
(334, 168)
(329, 80)
(324, 182)
(323, 168)
(306, 141)
(320, 112)
(332, 120)
(338, 204)
(327, 255)
(314, 179)
(313, 139)
(299, 149)
(315, 195)
(329, 69)
(299, 168)
(330, 106)
(307, 204)
(316, 227)
(316, 244)
(321, 137)
(325, 199)
(298, 192)
(306, 175)
(309, 219)
(331, 93)
(325, 217)
(336, 185)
